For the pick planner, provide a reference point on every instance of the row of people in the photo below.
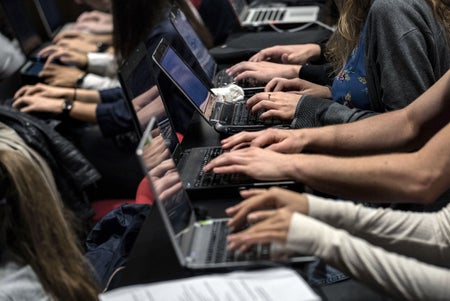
(370, 77)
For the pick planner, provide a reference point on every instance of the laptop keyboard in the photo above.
(217, 249)
(242, 115)
(270, 14)
(207, 179)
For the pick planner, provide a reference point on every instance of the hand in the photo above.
(62, 76)
(302, 86)
(45, 91)
(66, 56)
(288, 54)
(29, 104)
(260, 164)
(270, 211)
(94, 27)
(280, 105)
(262, 71)
(278, 140)
(78, 45)
(95, 16)
(257, 201)
(81, 35)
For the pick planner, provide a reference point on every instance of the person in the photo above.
(403, 254)
(11, 56)
(373, 160)
(39, 255)
(376, 71)
(108, 107)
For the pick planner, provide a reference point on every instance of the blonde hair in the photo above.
(351, 21)
(34, 228)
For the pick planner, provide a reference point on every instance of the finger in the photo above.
(256, 217)
(256, 99)
(247, 74)
(47, 51)
(265, 105)
(22, 91)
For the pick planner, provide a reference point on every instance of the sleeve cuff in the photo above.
(101, 64)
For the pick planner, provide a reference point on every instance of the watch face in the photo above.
(67, 105)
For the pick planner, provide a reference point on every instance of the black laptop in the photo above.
(226, 116)
(209, 67)
(191, 159)
(198, 244)
(51, 18)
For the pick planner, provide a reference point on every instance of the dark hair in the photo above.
(133, 21)
(34, 229)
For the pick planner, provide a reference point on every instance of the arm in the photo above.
(418, 177)
(423, 236)
(420, 120)
(395, 274)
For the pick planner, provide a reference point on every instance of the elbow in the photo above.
(424, 187)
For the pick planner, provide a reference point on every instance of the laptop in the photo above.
(20, 20)
(209, 67)
(50, 17)
(190, 158)
(226, 116)
(139, 86)
(267, 14)
(198, 244)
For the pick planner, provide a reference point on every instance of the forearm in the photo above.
(84, 112)
(419, 235)
(397, 275)
(404, 129)
(392, 178)
(346, 137)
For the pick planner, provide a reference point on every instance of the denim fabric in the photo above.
(110, 241)
(318, 273)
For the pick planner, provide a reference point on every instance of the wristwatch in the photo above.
(67, 106)
(102, 47)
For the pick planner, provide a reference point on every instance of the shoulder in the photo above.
(20, 283)
(393, 7)
(399, 17)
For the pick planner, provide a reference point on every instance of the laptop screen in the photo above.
(185, 79)
(20, 22)
(138, 82)
(192, 40)
(157, 163)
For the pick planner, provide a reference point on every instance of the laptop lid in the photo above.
(138, 83)
(49, 15)
(193, 42)
(194, 89)
(171, 200)
(20, 21)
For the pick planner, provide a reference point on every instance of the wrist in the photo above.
(66, 106)
(314, 52)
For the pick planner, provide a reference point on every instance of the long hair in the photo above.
(351, 21)
(352, 15)
(34, 229)
(133, 21)
(441, 9)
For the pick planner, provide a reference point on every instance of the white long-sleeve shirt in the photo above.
(404, 254)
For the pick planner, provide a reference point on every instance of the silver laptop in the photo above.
(267, 15)
(198, 244)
